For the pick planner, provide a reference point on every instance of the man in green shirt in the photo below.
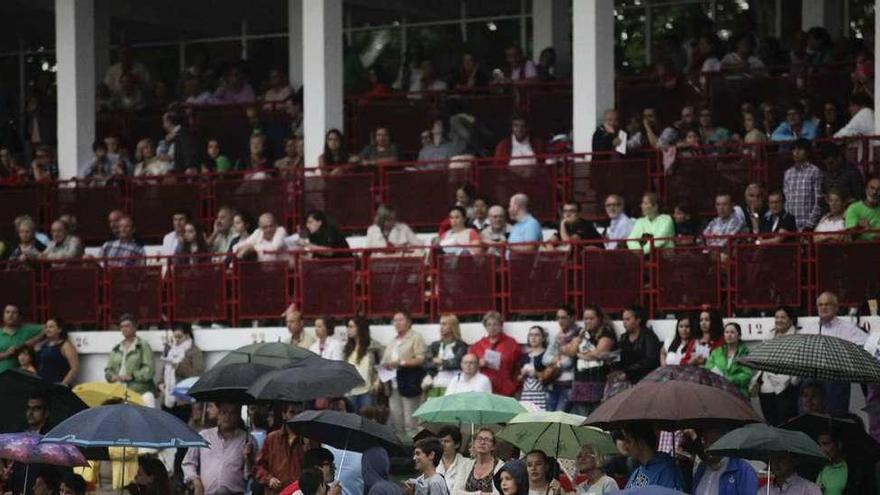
(865, 214)
(14, 336)
(833, 477)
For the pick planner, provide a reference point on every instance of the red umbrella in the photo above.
(691, 374)
(673, 405)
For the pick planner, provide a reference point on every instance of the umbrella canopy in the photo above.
(307, 380)
(692, 374)
(673, 405)
(760, 441)
(96, 393)
(181, 388)
(814, 356)
(344, 430)
(228, 382)
(469, 407)
(274, 354)
(557, 434)
(18, 385)
(125, 425)
(849, 428)
(27, 449)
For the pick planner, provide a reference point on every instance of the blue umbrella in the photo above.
(125, 425)
(181, 389)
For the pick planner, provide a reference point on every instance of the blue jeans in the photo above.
(558, 398)
(361, 401)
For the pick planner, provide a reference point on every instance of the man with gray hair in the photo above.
(497, 228)
(526, 229)
(469, 379)
(266, 242)
(619, 225)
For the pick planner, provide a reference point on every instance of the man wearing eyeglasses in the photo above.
(14, 475)
(619, 225)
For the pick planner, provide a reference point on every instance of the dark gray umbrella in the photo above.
(18, 385)
(307, 380)
(849, 427)
(815, 356)
(344, 430)
(274, 354)
(228, 382)
(760, 441)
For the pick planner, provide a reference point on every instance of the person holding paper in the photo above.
(499, 356)
(406, 356)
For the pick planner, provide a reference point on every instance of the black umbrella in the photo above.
(274, 354)
(814, 356)
(849, 427)
(344, 430)
(307, 380)
(227, 382)
(18, 385)
(760, 441)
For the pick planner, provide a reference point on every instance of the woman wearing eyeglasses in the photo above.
(475, 477)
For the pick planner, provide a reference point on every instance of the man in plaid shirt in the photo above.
(725, 224)
(124, 246)
(803, 187)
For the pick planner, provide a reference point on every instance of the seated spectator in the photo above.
(742, 60)
(830, 122)
(257, 164)
(235, 89)
(215, 161)
(387, 232)
(769, 119)
(865, 214)
(526, 228)
(103, 98)
(839, 173)
(546, 66)
(222, 234)
(645, 133)
(161, 97)
(335, 157)
(242, 226)
(725, 224)
(99, 168)
(754, 209)
(191, 245)
(687, 224)
(266, 242)
(709, 132)
(833, 221)
(752, 133)
(427, 81)
(802, 185)
(178, 221)
(148, 164)
(28, 247)
(129, 96)
(678, 130)
(497, 229)
(382, 150)
(459, 235)
(479, 214)
(193, 93)
(116, 153)
(572, 227)
(518, 68)
(619, 224)
(819, 45)
(470, 73)
(520, 147)
(224, 466)
(689, 147)
(323, 236)
(63, 244)
(293, 160)
(706, 57)
(279, 90)
(123, 246)
(862, 121)
(437, 148)
(377, 86)
(776, 220)
(652, 225)
(44, 163)
(605, 138)
(794, 127)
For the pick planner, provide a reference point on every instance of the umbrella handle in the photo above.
(342, 461)
(768, 476)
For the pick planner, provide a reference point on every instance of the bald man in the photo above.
(267, 242)
(525, 228)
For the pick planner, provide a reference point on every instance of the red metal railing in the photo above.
(739, 277)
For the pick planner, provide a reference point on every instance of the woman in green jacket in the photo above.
(723, 359)
(131, 362)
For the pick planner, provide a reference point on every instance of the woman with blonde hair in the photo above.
(443, 359)
(148, 164)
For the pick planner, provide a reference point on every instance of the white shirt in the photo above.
(773, 383)
(839, 328)
(169, 243)
(619, 228)
(861, 124)
(452, 472)
(264, 247)
(603, 485)
(733, 58)
(330, 349)
(521, 149)
(477, 383)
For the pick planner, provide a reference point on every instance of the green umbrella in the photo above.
(759, 441)
(469, 407)
(557, 434)
(274, 354)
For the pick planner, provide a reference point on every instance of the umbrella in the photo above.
(27, 449)
(125, 425)
(274, 354)
(96, 393)
(344, 430)
(672, 405)
(760, 441)
(849, 428)
(815, 356)
(18, 385)
(650, 490)
(181, 388)
(469, 407)
(307, 380)
(557, 434)
(692, 374)
(227, 382)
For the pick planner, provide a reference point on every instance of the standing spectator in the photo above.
(335, 158)
(427, 453)
(589, 469)
(685, 346)
(653, 226)
(723, 360)
(532, 369)
(475, 475)
(862, 121)
(839, 173)
(27, 360)
(742, 60)
(266, 242)
(619, 224)
(830, 122)
(428, 80)
(406, 355)
(712, 330)
(725, 224)
(560, 363)
(216, 162)
(183, 359)
(785, 479)
(123, 246)
(380, 151)
(723, 475)
(526, 229)
(59, 361)
(459, 235)
(802, 186)
(14, 336)
(833, 221)
(323, 236)
(469, 379)
(387, 232)
(131, 362)
(709, 132)
(639, 347)
(278, 92)
(865, 214)
(654, 468)
(298, 336)
(591, 349)
(358, 353)
(326, 344)
(179, 220)
(375, 471)
(499, 356)
(778, 393)
(605, 138)
(280, 459)
(221, 237)
(148, 164)
(126, 65)
(178, 147)
(470, 73)
(443, 358)
(235, 89)
(450, 439)
(754, 209)
(28, 247)
(518, 68)
(520, 147)
(224, 466)
(776, 220)
(794, 127)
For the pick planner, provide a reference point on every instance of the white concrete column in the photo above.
(295, 42)
(551, 26)
(593, 67)
(102, 39)
(824, 13)
(322, 73)
(75, 51)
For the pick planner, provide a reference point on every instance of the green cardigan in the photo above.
(138, 363)
(734, 372)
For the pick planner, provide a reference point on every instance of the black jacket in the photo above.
(185, 153)
(459, 349)
(639, 358)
